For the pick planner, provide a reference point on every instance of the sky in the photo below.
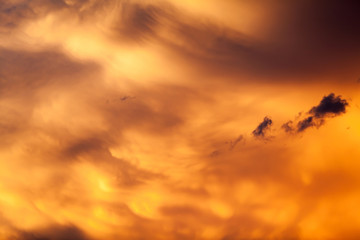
(172, 120)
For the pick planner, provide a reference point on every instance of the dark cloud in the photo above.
(288, 127)
(329, 106)
(306, 123)
(54, 233)
(235, 142)
(263, 127)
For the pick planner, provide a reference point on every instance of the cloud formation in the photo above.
(288, 126)
(134, 119)
(330, 106)
(263, 127)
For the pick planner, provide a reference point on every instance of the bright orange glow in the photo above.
(166, 120)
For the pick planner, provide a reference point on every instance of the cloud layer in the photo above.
(129, 119)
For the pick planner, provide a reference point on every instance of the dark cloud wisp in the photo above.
(329, 106)
(305, 123)
(288, 126)
(263, 127)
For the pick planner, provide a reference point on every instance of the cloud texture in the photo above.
(129, 119)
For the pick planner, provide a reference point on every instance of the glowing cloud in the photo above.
(138, 119)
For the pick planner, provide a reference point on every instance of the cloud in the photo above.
(113, 166)
(137, 21)
(54, 233)
(263, 127)
(27, 79)
(218, 49)
(214, 48)
(288, 126)
(32, 70)
(15, 13)
(306, 123)
(330, 106)
(236, 141)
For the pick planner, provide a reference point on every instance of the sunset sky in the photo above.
(179, 119)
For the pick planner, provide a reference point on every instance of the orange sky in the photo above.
(169, 120)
